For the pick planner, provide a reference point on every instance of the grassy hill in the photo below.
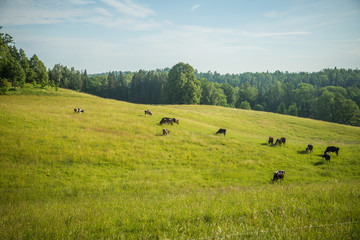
(109, 172)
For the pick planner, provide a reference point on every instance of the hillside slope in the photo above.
(109, 172)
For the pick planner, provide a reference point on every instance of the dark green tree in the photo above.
(229, 91)
(24, 61)
(346, 111)
(303, 96)
(245, 105)
(324, 105)
(247, 93)
(293, 110)
(281, 108)
(38, 67)
(182, 85)
(85, 81)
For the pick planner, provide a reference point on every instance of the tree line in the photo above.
(331, 94)
(16, 69)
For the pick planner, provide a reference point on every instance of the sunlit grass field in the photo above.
(110, 174)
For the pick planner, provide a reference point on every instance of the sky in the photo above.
(226, 36)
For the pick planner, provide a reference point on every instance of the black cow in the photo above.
(166, 120)
(147, 112)
(326, 156)
(271, 140)
(166, 131)
(332, 149)
(278, 142)
(221, 130)
(279, 175)
(283, 140)
(309, 148)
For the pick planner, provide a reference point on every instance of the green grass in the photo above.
(110, 174)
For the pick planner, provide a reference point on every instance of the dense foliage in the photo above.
(16, 69)
(183, 87)
(330, 95)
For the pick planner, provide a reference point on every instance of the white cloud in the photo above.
(275, 14)
(132, 16)
(19, 12)
(196, 6)
(81, 2)
(273, 34)
(354, 51)
(129, 8)
(103, 12)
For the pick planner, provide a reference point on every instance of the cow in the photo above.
(309, 148)
(283, 140)
(271, 140)
(326, 156)
(221, 130)
(166, 120)
(78, 110)
(174, 120)
(147, 112)
(166, 131)
(279, 175)
(332, 149)
(278, 142)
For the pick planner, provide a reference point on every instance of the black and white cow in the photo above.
(166, 132)
(278, 175)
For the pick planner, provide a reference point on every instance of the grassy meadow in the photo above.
(110, 174)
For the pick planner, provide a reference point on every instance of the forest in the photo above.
(331, 95)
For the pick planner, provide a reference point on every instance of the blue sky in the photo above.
(227, 36)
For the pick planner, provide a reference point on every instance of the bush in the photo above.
(245, 105)
(4, 86)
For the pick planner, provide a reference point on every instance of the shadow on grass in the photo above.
(266, 144)
(319, 163)
(302, 152)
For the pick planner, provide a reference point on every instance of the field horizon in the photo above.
(110, 173)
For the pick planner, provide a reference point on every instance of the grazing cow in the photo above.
(279, 175)
(166, 120)
(332, 149)
(78, 110)
(326, 156)
(271, 140)
(174, 120)
(309, 148)
(147, 112)
(166, 131)
(278, 142)
(221, 130)
(283, 140)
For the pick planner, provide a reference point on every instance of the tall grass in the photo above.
(109, 173)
